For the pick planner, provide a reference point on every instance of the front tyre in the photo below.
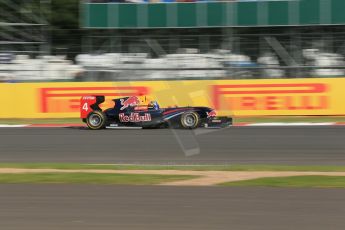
(96, 120)
(190, 120)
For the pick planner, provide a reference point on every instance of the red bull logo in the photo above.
(129, 102)
(134, 117)
(213, 113)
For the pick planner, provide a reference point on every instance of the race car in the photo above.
(131, 112)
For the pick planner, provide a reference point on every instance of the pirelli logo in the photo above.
(67, 99)
(300, 96)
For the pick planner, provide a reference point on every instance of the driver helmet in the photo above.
(153, 105)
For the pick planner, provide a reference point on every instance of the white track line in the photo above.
(293, 124)
(12, 126)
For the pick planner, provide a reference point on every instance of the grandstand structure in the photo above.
(24, 27)
(25, 53)
(302, 38)
(155, 39)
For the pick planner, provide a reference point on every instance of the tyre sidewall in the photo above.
(196, 120)
(101, 116)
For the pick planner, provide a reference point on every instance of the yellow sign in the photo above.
(228, 97)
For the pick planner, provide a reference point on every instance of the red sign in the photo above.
(67, 99)
(304, 96)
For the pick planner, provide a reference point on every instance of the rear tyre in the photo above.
(96, 120)
(190, 120)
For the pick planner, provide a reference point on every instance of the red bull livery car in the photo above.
(133, 112)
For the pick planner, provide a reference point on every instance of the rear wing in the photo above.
(89, 104)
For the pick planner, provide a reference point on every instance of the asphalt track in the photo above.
(77, 207)
(236, 145)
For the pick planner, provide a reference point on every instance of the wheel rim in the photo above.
(95, 120)
(190, 120)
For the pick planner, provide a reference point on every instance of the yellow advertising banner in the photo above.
(228, 97)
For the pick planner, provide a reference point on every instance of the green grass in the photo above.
(264, 119)
(89, 178)
(294, 181)
(301, 168)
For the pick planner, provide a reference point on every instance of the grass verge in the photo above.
(89, 178)
(282, 168)
(294, 181)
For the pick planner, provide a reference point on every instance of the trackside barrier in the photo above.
(228, 97)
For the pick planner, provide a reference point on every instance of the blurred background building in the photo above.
(97, 40)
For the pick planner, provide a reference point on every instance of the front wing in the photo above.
(218, 122)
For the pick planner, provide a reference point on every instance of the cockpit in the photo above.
(153, 105)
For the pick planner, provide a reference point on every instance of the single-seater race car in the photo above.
(131, 112)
